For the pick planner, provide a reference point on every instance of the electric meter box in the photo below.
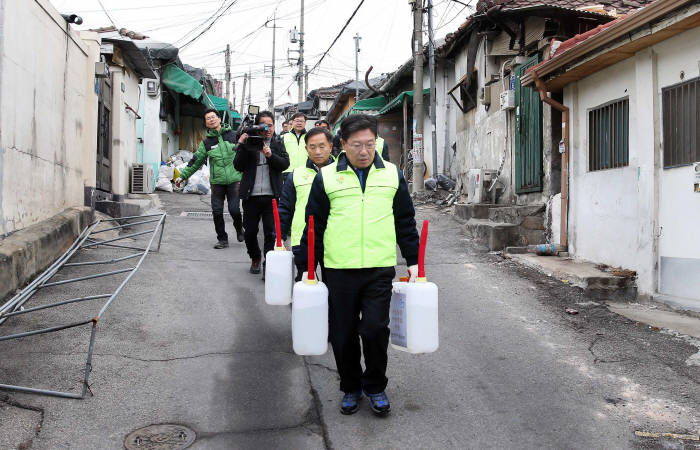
(508, 100)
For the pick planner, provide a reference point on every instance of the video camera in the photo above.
(255, 132)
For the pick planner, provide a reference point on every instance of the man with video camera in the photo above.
(261, 157)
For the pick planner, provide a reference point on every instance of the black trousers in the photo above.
(219, 193)
(254, 209)
(352, 292)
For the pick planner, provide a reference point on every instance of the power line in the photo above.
(107, 14)
(208, 26)
(338, 36)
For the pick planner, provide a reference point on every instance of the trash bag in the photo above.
(165, 174)
(431, 184)
(184, 155)
(198, 183)
(446, 183)
(164, 184)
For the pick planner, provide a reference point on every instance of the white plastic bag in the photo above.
(164, 184)
(198, 183)
(165, 174)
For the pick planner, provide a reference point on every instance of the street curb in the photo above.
(31, 250)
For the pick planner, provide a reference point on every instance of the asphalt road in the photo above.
(191, 341)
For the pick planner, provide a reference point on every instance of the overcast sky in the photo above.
(384, 25)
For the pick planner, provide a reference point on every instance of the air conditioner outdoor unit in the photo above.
(142, 179)
(478, 181)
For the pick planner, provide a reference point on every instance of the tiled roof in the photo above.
(621, 6)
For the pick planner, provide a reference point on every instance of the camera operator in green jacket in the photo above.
(219, 146)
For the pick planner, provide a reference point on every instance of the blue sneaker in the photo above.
(379, 403)
(350, 403)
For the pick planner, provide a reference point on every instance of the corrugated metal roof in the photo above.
(622, 6)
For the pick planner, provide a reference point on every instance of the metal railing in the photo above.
(16, 305)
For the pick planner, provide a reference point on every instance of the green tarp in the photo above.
(179, 81)
(212, 101)
(398, 101)
(368, 104)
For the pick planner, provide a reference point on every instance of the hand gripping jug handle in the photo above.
(278, 228)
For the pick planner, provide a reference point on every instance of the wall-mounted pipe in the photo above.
(542, 88)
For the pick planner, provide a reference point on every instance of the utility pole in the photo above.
(306, 82)
(245, 80)
(418, 184)
(233, 98)
(357, 66)
(250, 85)
(271, 105)
(433, 100)
(300, 76)
(228, 73)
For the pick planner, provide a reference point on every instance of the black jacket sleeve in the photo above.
(244, 155)
(405, 223)
(318, 206)
(288, 202)
(279, 160)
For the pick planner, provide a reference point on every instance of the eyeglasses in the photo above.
(357, 146)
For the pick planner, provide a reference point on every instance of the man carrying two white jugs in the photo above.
(362, 209)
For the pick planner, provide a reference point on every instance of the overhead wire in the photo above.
(338, 36)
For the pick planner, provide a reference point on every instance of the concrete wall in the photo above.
(614, 214)
(152, 139)
(125, 91)
(484, 135)
(47, 110)
(445, 119)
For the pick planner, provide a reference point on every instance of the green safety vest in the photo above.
(360, 232)
(303, 178)
(379, 146)
(296, 151)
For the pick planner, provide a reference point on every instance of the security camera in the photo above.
(73, 18)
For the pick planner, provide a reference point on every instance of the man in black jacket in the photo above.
(262, 181)
(362, 209)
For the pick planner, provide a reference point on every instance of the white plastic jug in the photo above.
(279, 269)
(310, 318)
(310, 309)
(414, 317)
(413, 314)
(279, 277)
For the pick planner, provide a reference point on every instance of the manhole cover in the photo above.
(160, 437)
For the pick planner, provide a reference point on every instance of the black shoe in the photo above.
(263, 270)
(239, 236)
(350, 403)
(255, 266)
(379, 404)
(221, 244)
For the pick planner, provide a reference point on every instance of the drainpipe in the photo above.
(542, 88)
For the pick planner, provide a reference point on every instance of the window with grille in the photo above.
(608, 136)
(681, 132)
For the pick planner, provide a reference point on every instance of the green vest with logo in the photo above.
(296, 151)
(360, 232)
(303, 178)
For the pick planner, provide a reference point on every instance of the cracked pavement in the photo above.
(191, 341)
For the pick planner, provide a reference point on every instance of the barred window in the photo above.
(608, 135)
(681, 132)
